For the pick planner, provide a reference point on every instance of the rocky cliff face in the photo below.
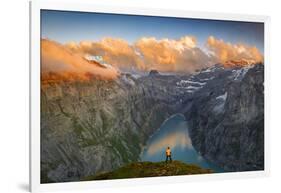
(98, 125)
(87, 127)
(227, 120)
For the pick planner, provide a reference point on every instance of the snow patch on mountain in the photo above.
(238, 74)
(190, 82)
(211, 69)
(223, 97)
(207, 79)
(190, 86)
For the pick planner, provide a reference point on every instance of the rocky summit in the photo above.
(94, 126)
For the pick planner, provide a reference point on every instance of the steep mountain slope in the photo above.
(227, 120)
(99, 125)
(87, 127)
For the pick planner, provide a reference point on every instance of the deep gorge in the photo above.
(88, 127)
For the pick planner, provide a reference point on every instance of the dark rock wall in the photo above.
(230, 133)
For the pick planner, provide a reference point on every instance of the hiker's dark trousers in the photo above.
(168, 157)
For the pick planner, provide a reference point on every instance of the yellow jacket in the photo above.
(168, 152)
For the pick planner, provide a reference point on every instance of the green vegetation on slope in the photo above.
(151, 169)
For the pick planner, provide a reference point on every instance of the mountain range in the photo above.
(99, 125)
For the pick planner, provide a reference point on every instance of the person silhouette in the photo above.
(168, 154)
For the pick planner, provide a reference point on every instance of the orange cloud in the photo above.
(181, 55)
(165, 55)
(226, 52)
(59, 61)
(116, 52)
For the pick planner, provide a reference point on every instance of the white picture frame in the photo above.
(36, 6)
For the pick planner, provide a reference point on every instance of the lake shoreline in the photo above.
(174, 132)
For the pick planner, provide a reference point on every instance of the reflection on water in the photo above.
(174, 133)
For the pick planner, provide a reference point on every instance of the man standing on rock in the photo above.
(168, 154)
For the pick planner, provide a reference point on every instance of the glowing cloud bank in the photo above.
(167, 55)
(147, 53)
(57, 61)
(226, 52)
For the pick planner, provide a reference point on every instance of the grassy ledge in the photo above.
(150, 169)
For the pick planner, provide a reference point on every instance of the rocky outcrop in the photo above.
(154, 73)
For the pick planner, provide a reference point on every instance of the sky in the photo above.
(65, 26)
(142, 43)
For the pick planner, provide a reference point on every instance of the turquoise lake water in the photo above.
(174, 133)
